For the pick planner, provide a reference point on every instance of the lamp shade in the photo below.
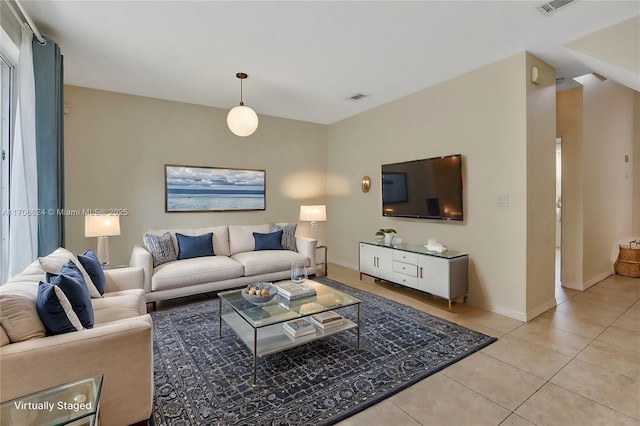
(101, 226)
(242, 121)
(313, 213)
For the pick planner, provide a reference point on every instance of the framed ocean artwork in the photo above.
(213, 189)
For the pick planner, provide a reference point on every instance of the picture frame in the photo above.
(213, 189)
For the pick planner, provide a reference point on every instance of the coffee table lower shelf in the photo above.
(273, 339)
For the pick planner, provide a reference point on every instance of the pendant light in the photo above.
(242, 120)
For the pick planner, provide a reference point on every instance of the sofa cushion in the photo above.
(241, 237)
(161, 248)
(220, 237)
(55, 310)
(187, 272)
(4, 339)
(190, 247)
(288, 234)
(115, 308)
(54, 262)
(270, 241)
(18, 313)
(266, 261)
(92, 265)
(70, 282)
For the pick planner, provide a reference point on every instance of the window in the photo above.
(6, 73)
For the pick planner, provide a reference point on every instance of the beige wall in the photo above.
(116, 146)
(541, 188)
(597, 125)
(607, 138)
(482, 115)
(569, 127)
(635, 158)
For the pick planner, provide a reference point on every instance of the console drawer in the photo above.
(405, 268)
(405, 256)
(406, 280)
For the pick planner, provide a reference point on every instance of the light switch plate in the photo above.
(502, 200)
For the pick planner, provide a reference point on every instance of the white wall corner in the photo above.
(595, 280)
(517, 315)
(531, 314)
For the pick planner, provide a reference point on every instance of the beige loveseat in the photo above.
(236, 263)
(119, 346)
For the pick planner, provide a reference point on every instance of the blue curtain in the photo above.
(48, 73)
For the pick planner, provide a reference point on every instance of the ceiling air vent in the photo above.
(357, 97)
(552, 6)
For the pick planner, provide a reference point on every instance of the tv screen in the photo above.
(430, 188)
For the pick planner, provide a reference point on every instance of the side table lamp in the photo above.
(313, 214)
(102, 226)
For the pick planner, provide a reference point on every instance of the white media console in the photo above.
(444, 275)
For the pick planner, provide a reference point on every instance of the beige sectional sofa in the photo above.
(119, 345)
(236, 262)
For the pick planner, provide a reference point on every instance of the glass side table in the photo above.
(76, 403)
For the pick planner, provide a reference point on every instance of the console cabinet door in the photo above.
(433, 276)
(376, 261)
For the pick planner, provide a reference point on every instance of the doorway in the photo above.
(558, 275)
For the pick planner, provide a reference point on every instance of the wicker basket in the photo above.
(628, 263)
(631, 254)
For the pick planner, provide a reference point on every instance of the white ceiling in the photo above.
(304, 59)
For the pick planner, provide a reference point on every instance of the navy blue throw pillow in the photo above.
(55, 311)
(76, 293)
(92, 265)
(270, 241)
(199, 246)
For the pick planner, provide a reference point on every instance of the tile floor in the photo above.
(577, 364)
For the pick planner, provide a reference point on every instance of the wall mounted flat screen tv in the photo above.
(430, 188)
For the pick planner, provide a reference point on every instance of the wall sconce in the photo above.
(365, 184)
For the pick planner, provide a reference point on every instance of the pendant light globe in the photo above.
(242, 121)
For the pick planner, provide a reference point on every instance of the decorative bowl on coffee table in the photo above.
(259, 298)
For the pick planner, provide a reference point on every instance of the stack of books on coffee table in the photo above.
(326, 319)
(298, 327)
(293, 291)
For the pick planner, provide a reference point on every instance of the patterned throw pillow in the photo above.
(288, 235)
(161, 248)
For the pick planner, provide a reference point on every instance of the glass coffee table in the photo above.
(76, 403)
(260, 327)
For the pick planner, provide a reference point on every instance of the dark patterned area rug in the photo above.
(203, 380)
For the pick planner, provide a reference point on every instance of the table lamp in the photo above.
(313, 214)
(102, 226)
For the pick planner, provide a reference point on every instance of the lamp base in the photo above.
(103, 251)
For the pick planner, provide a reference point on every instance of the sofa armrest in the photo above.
(140, 257)
(122, 351)
(123, 279)
(307, 246)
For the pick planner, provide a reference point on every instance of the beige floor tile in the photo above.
(553, 406)
(532, 358)
(478, 327)
(494, 321)
(613, 358)
(608, 295)
(563, 293)
(592, 309)
(496, 380)
(630, 320)
(624, 338)
(626, 285)
(384, 413)
(552, 338)
(441, 401)
(613, 390)
(516, 420)
(587, 327)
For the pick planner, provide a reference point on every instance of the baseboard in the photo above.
(595, 280)
(517, 315)
(590, 283)
(541, 309)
